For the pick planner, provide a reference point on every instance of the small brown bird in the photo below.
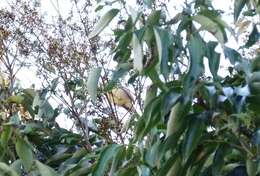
(121, 97)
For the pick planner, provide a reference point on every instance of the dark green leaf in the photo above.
(192, 137)
(24, 151)
(253, 37)
(118, 160)
(218, 160)
(232, 55)
(45, 170)
(151, 156)
(6, 135)
(184, 24)
(169, 99)
(54, 83)
(197, 51)
(167, 165)
(105, 158)
(151, 93)
(154, 18)
(99, 8)
(124, 41)
(173, 167)
(58, 158)
(163, 40)
(238, 6)
(152, 116)
(131, 170)
(253, 102)
(214, 58)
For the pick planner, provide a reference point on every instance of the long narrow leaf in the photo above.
(92, 82)
(105, 158)
(103, 22)
(138, 53)
(24, 152)
(163, 41)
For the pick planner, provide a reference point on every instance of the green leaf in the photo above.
(16, 99)
(251, 167)
(192, 137)
(92, 82)
(118, 160)
(99, 8)
(5, 170)
(238, 6)
(17, 166)
(6, 135)
(170, 143)
(185, 22)
(151, 156)
(253, 102)
(253, 37)
(54, 83)
(45, 170)
(103, 22)
(138, 53)
(120, 71)
(214, 58)
(211, 26)
(124, 41)
(42, 107)
(46, 111)
(175, 169)
(154, 76)
(162, 37)
(218, 161)
(127, 170)
(169, 99)
(151, 93)
(232, 55)
(150, 118)
(105, 158)
(197, 51)
(58, 158)
(154, 18)
(23, 150)
(151, 115)
(166, 166)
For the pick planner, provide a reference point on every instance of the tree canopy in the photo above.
(140, 87)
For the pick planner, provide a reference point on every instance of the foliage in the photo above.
(187, 122)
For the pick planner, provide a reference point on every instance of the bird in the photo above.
(121, 97)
